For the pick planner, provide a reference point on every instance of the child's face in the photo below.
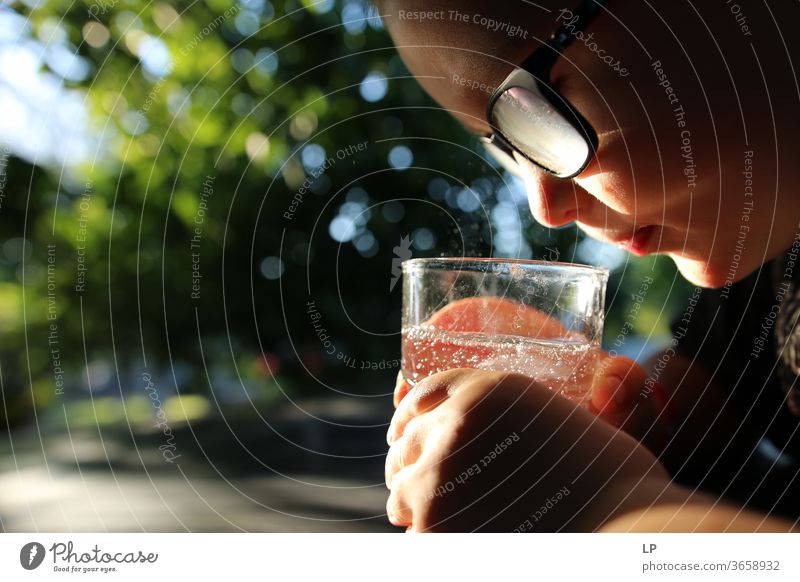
(668, 176)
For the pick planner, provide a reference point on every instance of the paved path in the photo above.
(287, 473)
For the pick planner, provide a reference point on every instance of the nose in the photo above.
(553, 201)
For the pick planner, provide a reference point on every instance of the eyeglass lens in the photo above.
(541, 132)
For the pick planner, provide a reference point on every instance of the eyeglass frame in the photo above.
(533, 74)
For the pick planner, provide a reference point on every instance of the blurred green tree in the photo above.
(236, 162)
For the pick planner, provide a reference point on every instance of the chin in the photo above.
(711, 274)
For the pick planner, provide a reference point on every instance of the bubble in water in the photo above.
(565, 365)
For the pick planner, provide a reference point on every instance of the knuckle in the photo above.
(434, 387)
(412, 429)
(500, 384)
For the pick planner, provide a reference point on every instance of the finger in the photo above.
(406, 450)
(618, 385)
(401, 388)
(398, 506)
(426, 395)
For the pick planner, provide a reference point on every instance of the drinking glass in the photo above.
(537, 318)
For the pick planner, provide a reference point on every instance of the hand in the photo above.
(475, 450)
(621, 392)
(621, 396)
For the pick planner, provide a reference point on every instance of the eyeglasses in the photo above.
(528, 116)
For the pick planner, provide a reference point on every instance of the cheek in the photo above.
(633, 179)
(617, 193)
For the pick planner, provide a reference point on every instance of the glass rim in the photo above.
(476, 264)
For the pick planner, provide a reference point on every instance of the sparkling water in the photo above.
(565, 365)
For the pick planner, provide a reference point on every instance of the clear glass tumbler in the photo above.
(540, 319)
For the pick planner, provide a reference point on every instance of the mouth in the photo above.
(642, 242)
(639, 242)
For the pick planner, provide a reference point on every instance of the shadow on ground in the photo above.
(315, 467)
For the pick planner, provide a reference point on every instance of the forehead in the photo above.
(460, 51)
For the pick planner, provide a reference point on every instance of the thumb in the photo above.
(617, 386)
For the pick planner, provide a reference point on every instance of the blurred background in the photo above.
(203, 206)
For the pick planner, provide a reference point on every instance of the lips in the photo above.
(644, 240)
(638, 243)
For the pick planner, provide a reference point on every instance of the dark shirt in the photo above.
(746, 336)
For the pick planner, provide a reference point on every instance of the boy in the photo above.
(688, 117)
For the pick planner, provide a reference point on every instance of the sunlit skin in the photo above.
(635, 193)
